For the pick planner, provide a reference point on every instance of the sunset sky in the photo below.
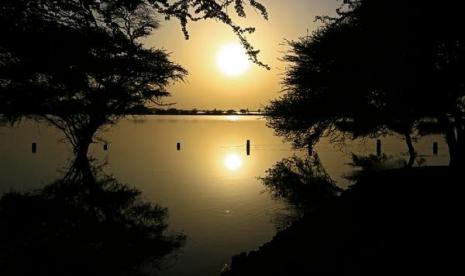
(209, 86)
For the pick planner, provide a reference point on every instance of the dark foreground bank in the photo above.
(396, 222)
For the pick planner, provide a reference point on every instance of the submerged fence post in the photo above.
(435, 148)
(378, 148)
(248, 147)
(105, 147)
(34, 147)
(178, 146)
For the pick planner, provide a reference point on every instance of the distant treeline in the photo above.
(151, 111)
(175, 111)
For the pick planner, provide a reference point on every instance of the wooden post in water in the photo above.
(248, 147)
(378, 148)
(435, 148)
(34, 147)
(105, 147)
(178, 146)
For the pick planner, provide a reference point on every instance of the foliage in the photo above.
(195, 10)
(377, 67)
(86, 67)
(81, 64)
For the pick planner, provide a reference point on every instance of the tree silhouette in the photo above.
(380, 67)
(81, 64)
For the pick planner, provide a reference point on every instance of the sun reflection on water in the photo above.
(233, 162)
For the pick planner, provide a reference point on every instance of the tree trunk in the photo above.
(451, 139)
(411, 150)
(84, 136)
(460, 141)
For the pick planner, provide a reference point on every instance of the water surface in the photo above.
(210, 186)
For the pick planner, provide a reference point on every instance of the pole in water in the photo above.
(435, 148)
(178, 146)
(34, 147)
(248, 147)
(378, 148)
(105, 147)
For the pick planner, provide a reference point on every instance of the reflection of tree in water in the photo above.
(86, 223)
(373, 163)
(304, 183)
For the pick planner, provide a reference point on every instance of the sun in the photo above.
(232, 60)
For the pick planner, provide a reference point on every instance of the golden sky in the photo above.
(208, 87)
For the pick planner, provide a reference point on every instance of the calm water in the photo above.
(210, 186)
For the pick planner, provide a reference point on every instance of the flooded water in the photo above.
(209, 184)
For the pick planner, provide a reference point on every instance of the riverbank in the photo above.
(388, 223)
